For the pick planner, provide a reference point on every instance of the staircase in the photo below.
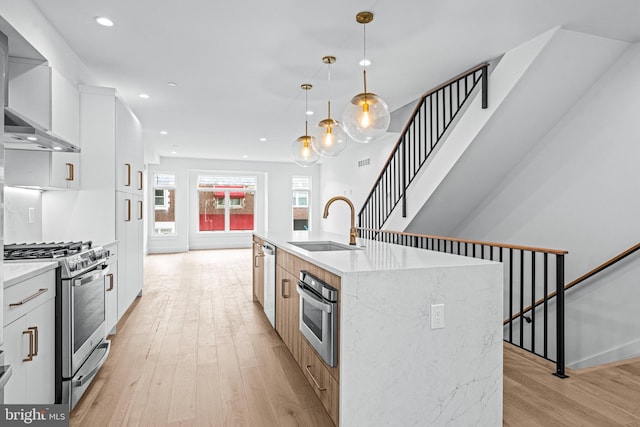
(544, 112)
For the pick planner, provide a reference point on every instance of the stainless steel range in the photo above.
(81, 347)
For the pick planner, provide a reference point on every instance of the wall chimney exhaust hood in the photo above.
(24, 134)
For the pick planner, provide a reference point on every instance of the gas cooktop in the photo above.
(74, 257)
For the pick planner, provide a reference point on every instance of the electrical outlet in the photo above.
(437, 316)
(32, 215)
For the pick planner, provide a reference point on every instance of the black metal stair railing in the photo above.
(430, 120)
(533, 276)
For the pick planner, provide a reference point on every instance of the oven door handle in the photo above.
(105, 346)
(81, 281)
(313, 299)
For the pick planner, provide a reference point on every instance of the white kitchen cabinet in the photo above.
(65, 108)
(129, 151)
(111, 289)
(29, 343)
(42, 169)
(129, 233)
(112, 149)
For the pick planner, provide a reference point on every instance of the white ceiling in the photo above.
(239, 64)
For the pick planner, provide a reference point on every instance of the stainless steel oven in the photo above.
(84, 348)
(81, 347)
(319, 316)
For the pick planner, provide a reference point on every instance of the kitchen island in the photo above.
(394, 369)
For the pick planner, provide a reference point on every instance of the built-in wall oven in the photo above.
(319, 316)
(81, 347)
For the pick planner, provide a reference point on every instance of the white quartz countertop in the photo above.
(16, 272)
(370, 256)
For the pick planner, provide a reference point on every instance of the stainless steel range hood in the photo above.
(24, 134)
(19, 131)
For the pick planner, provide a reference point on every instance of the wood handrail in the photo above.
(580, 279)
(413, 114)
(475, 242)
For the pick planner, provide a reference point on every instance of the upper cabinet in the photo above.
(129, 150)
(65, 108)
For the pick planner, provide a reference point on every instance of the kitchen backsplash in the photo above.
(19, 224)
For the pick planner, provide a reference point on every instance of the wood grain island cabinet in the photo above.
(392, 367)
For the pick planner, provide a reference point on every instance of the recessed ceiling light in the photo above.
(263, 139)
(309, 113)
(32, 138)
(163, 132)
(104, 21)
(172, 84)
(245, 157)
(173, 152)
(57, 148)
(144, 96)
(365, 63)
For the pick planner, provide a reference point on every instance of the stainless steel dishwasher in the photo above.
(270, 282)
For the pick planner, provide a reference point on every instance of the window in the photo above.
(226, 203)
(301, 186)
(164, 192)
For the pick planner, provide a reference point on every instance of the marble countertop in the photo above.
(16, 272)
(370, 256)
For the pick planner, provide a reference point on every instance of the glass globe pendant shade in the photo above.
(366, 117)
(331, 140)
(303, 153)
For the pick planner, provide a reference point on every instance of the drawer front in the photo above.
(324, 385)
(25, 296)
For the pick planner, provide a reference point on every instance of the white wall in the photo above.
(17, 202)
(578, 190)
(341, 176)
(274, 210)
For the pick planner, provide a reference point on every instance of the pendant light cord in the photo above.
(329, 90)
(364, 58)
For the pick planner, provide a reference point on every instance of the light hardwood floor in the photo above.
(196, 351)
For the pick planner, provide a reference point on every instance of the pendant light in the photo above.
(303, 154)
(366, 117)
(331, 139)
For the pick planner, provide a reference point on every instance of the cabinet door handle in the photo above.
(70, 174)
(139, 180)
(287, 295)
(308, 368)
(35, 338)
(128, 166)
(29, 298)
(29, 358)
(110, 276)
(128, 210)
(139, 209)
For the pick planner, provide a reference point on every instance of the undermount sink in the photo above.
(323, 246)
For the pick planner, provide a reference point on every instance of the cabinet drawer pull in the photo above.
(255, 258)
(29, 358)
(29, 298)
(314, 379)
(35, 338)
(139, 180)
(70, 174)
(287, 295)
(128, 166)
(110, 276)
